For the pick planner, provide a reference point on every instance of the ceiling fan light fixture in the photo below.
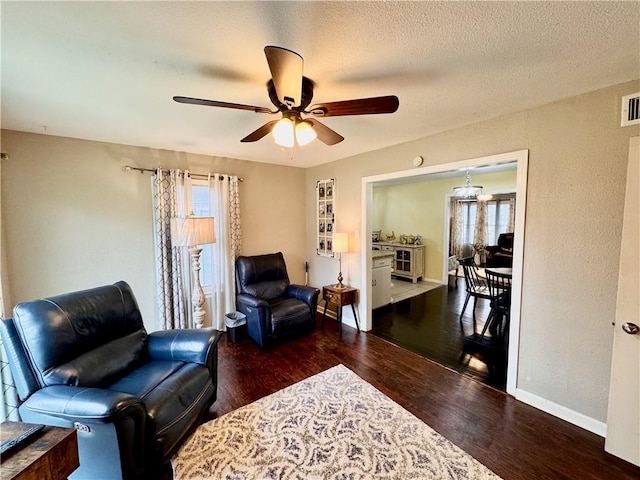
(283, 133)
(305, 133)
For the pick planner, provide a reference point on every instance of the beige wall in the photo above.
(73, 219)
(575, 194)
(418, 208)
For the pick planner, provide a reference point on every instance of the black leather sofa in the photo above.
(84, 360)
(276, 310)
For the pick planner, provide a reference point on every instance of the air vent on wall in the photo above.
(631, 109)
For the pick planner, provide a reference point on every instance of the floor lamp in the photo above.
(340, 246)
(191, 232)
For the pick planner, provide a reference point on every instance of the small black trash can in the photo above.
(236, 323)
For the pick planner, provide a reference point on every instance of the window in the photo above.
(201, 208)
(497, 219)
(469, 210)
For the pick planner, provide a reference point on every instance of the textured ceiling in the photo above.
(107, 71)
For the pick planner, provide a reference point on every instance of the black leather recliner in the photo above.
(84, 360)
(276, 310)
(500, 255)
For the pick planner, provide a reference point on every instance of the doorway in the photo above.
(521, 160)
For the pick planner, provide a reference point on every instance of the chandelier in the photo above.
(467, 191)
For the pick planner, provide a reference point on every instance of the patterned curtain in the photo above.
(480, 230)
(171, 199)
(9, 400)
(512, 215)
(224, 206)
(456, 228)
(9, 406)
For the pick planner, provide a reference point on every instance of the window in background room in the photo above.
(498, 210)
(469, 210)
(497, 219)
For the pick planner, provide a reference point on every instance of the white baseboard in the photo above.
(564, 413)
(347, 315)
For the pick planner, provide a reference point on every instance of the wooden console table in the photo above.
(51, 454)
(340, 297)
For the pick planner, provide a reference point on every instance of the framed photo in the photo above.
(325, 198)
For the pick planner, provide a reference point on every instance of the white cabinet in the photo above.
(381, 281)
(409, 262)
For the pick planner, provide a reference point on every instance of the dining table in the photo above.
(501, 270)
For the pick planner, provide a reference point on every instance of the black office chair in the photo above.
(476, 287)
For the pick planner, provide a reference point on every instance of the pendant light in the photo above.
(467, 191)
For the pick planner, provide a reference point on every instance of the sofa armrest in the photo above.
(492, 249)
(258, 314)
(193, 345)
(309, 295)
(86, 405)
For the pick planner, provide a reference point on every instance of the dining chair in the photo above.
(499, 285)
(476, 287)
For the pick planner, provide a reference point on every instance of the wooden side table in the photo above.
(51, 454)
(340, 297)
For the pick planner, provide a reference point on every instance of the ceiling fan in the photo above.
(291, 93)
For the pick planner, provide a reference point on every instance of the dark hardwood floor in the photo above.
(429, 325)
(513, 439)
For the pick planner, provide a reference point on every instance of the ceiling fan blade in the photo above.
(260, 132)
(362, 106)
(215, 103)
(325, 134)
(286, 72)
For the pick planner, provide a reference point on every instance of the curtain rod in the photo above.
(128, 168)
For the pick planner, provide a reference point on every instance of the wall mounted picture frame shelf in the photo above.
(325, 204)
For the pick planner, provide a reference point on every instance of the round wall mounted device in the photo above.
(417, 161)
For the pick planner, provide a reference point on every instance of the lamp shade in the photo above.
(305, 133)
(283, 133)
(340, 242)
(192, 231)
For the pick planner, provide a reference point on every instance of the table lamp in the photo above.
(340, 246)
(191, 232)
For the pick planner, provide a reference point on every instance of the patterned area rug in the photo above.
(333, 425)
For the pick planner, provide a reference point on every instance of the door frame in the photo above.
(521, 158)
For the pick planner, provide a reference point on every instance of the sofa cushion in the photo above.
(267, 290)
(102, 365)
(80, 323)
(287, 313)
(144, 379)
